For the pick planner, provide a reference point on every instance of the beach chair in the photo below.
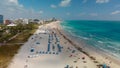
(83, 58)
(67, 66)
(70, 56)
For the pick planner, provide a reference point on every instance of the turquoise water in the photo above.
(104, 35)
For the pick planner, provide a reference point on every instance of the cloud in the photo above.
(53, 6)
(84, 1)
(82, 14)
(41, 12)
(117, 6)
(12, 9)
(93, 14)
(68, 13)
(115, 12)
(102, 1)
(13, 1)
(65, 3)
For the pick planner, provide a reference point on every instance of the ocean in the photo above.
(103, 35)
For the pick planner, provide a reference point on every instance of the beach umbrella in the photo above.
(67, 66)
(73, 51)
(32, 50)
(48, 47)
(104, 66)
(37, 43)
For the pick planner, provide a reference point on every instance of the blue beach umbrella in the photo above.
(48, 49)
(104, 66)
(32, 50)
(37, 43)
(67, 66)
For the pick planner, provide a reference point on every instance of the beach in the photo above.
(51, 47)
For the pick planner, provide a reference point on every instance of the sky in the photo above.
(61, 9)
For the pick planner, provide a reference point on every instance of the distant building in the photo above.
(18, 21)
(53, 19)
(30, 21)
(25, 21)
(1, 19)
(36, 20)
(11, 24)
(33, 20)
(0, 28)
(7, 22)
(41, 22)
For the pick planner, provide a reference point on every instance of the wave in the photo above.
(100, 42)
(67, 27)
(99, 38)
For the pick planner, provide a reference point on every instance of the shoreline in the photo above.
(92, 51)
(50, 47)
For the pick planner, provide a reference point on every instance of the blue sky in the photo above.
(62, 9)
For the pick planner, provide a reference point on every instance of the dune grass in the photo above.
(6, 54)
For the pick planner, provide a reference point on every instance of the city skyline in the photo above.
(62, 9)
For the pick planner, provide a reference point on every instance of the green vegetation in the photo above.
(6, 54)
(22, 37)
(8, 50)
(7, 32)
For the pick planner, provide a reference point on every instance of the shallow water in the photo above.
(104, 35)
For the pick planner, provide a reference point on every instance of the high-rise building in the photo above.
(1, 19)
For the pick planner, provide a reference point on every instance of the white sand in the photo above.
(39, 42)
(60, 60)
